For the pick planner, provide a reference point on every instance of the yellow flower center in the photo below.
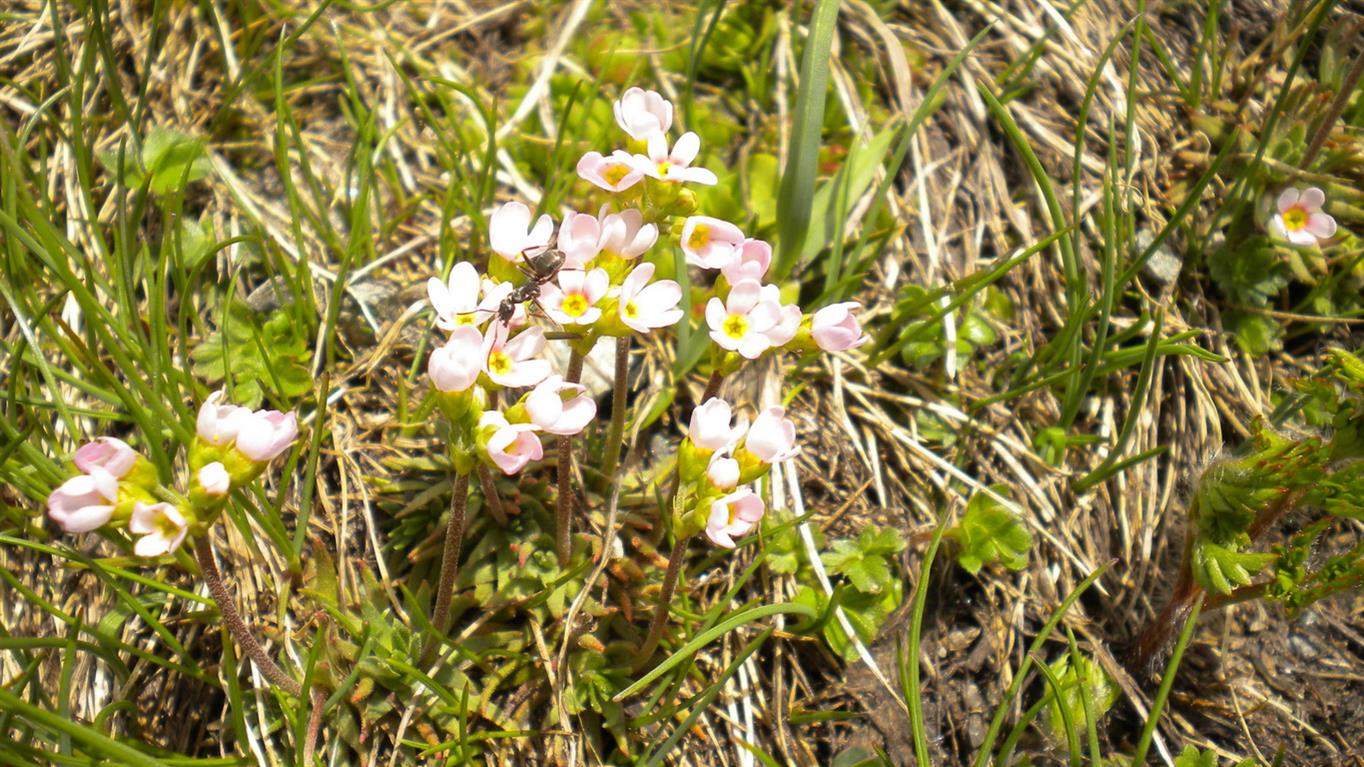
(613, 174)
(499, 362)
(466, 319)
(736, 326)
(700, 236)
(574, 304)
(1294, 218)
(663, 168)
(165, 526)
(631, 310)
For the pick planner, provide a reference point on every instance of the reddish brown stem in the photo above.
(1347, 89)
(1156, 638)
(491, 499)
(712, 387)
(314, 726)
(615, 432)
(563, 518)
(449, 560)
(241, 633)
(665, 600)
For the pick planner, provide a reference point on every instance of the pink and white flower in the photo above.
(266, 434)
(162, 527)
(788, 319)
(574, 300)
(579, 239)
(457, 300)
(515, 362)
(455, 366)
(751, 260)
(642, 113)
(1300, 219)
(734, 516)
(772, 437)
(260, 435)
(510, 446)
(644, 306)
(108, 454)
(510, 232)
(214, 479)
(723, 472)
(616, 173)
(218, 423)
(710, 243)
(84, 502)
(742, 321)
(559, 407)
(710, 427)
(835, 327)
(625, 234)
(674, 165)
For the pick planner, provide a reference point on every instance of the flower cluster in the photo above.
(117, 485)
(745, 317)
(717, 460)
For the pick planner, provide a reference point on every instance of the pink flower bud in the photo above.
(723, 472)
(218, 424)
(162, 527)
(734, 516)
(266, 434)
(751, 260)
(642, 113)
(625, 234)
(772, 437)
(710, 429)
(510, 232)
(214, 479)
(560, 408)
(84, 502)
(510, 446)
(455, 366)
(835, 328)
(107, 453)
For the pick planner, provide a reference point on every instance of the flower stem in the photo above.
(615, 433)
(665, 599)
(449, 560)
(1323, 130)
(563, 517)
(712, 386)
(491, 499)
(241, 633)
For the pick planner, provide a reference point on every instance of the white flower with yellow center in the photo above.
(674, 166)
(573, 301)
(741, 322)
(1300, 219)
(515, 363)
(710, 243)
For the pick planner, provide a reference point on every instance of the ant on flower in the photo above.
(541, 264)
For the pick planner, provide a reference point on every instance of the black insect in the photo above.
(541, 264)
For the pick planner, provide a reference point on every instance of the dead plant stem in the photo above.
(449, 560)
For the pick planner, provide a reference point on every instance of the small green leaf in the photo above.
(989, 532)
